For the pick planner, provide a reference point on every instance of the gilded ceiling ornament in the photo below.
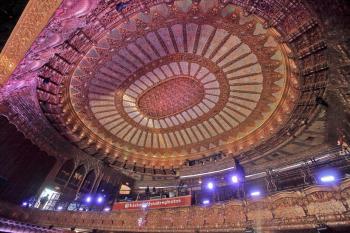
(32, 21)
(239, 74)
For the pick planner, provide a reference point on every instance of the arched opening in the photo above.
(124, 190)
(64, 173)
(88, 182)
(77, 178)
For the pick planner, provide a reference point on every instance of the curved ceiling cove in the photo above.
(176, 82)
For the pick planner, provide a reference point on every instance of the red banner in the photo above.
(154, 203)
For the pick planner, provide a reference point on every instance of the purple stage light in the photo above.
(234, 179)
(255, 194)
(206, 202)
(88, 199)
(327, 178)
(59, 208)
(210, 185)
(24, 203)
(106, 209)
(99, 199)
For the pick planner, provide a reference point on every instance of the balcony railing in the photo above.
(283, 210)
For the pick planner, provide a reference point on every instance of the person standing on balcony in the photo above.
(241, 179)
(147, 192)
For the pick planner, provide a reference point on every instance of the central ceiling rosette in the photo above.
(179, 83)
(158, 101)
(171, 94)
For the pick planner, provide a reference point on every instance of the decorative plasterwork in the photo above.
(33, 20)
(188, 90)
(242, 67)
(79, 26)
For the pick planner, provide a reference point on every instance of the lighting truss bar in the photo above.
(332, 154)
(206, 173)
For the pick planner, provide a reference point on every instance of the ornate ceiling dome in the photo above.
(178, 82)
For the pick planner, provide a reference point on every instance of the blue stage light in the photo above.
(106, 209)
(24, 203)
(255, 193)
(328, 176)
(327, 179)
(210, 185)
(234, 179)
(205, 202)
(100, 199)
(88, 199)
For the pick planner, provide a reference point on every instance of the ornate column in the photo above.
(76, 163)
(81, 184)
(97, 183)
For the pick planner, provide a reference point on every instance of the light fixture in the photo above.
(59, 208)
(24, 203)
(327, 178)
(210, 185)
(255, 194)
(100, 199)
(205, 202)
(88, 199)
(234, 179)
(106, 209)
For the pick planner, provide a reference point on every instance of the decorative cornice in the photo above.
(34, 18)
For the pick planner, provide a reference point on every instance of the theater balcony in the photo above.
(174, 115)
(285, 211)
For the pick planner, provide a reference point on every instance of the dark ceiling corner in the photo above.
(10, 11)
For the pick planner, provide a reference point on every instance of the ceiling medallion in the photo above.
(159, 98)
(158, 102)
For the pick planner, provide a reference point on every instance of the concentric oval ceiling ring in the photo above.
(194, 88)
(213, 85)
(158, 102)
